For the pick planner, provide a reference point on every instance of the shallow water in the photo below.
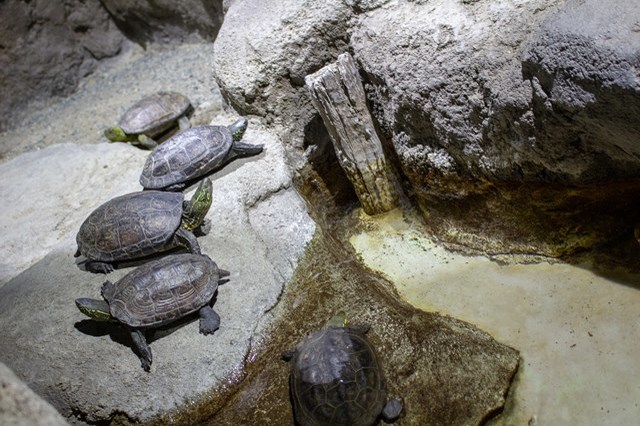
(577, 330)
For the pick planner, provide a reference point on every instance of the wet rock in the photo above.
(167, 21)
(46, 48)
(20, 406)
(88, 370)
(512, 123)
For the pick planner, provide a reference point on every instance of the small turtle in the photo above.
(151, 117)
(193, 153)
(336, 378)
(157, 293)
(135, 225)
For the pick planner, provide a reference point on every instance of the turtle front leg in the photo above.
(143, 349)
(392, 410)
(209, 320)
(146, 142)
(187, 239)
(203, 229)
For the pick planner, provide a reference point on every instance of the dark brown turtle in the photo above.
(336, 379)
(157, 293)
(150, 117)
(142, 223)
(194, 153)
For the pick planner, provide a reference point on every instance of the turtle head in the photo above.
(116, 134)
(194, 210)
(338, 320)
(238, 128)
(94, 308)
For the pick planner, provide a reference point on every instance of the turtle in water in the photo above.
(142, 223)
(194, 153)
(157, 293)
(336, 378)
(150, 117)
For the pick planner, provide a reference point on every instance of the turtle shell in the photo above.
(163, 290)
(154, 114)
(185, 156)
(336, 379)
(131, 226)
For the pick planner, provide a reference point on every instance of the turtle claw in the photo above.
(146, 365)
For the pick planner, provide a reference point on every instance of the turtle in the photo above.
(193, 153)
(158, 293)
(150, 117)
(142, 223)
(336, 378)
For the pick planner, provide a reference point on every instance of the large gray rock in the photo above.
(167, 21)
(20, 406)
(52, 191)
(514, 124)
(276, 44)
(259, 230)
(47, 47)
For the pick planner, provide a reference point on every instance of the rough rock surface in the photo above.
(167, 21)
(47, 47)
(20, 406)
(513, 123)
(259, 230)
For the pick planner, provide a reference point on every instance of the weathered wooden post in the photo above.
(338, 94)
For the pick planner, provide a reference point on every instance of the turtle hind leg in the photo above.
(98, 267)
(142, 348)
(209, 320)
(392, 410)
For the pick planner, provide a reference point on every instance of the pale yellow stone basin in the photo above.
(578, 332)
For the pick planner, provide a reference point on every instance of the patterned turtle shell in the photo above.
(336, 379)
(162, 291)
(187, 155)
(131, 226)
(154, 114)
